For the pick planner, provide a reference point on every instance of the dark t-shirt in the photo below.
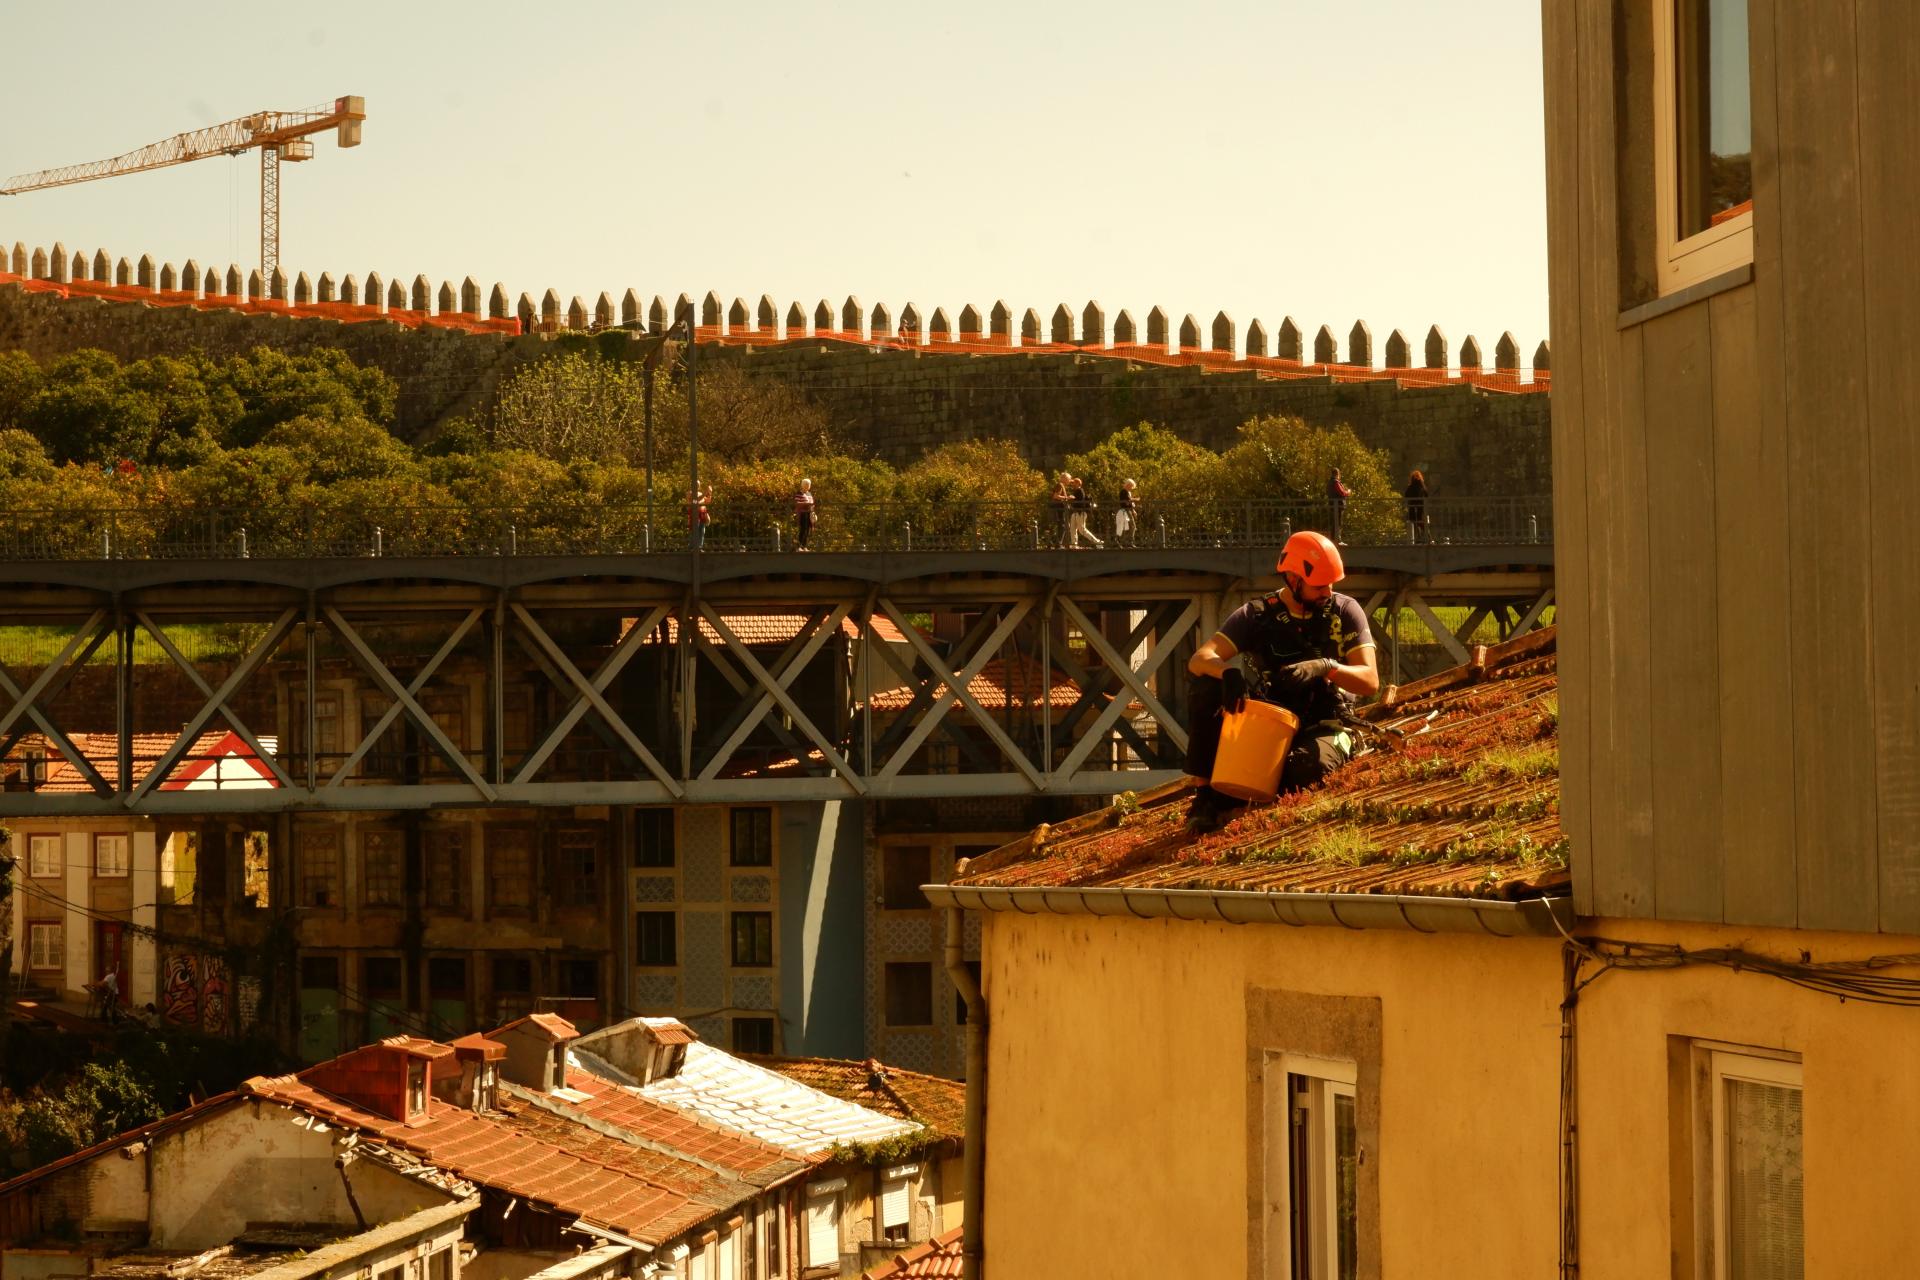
(1272, 637)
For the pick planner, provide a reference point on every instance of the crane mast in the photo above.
(278, 136)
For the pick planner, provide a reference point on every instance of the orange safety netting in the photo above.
(969, 343)
(345, 312)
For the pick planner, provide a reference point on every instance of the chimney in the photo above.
(646, 1049)
(470, 1079)
(388, 1079)
(536, 1050)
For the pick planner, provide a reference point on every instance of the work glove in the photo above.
(1298, 682)
(1312, 669)
(1233, 690)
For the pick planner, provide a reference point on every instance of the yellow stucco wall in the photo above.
(1118, 1122)
(1860, 1105)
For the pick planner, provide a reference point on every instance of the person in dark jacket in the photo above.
(1337, 495)
(1079, 507)
(1419, 525)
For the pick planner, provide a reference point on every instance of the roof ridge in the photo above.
(618, 1133)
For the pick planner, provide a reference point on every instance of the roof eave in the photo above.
(1545, 917)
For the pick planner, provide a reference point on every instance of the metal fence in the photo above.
(316, 532)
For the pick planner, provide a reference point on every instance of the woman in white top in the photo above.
(803, 513)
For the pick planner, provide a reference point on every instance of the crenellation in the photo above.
(1399, 352)
(1324, 350)
(942, 328)
(910, 326)
(210, 285)
(550, 309)
(420, 296)
(169, 279)
(1001, 319)
(1256, 339)
(1189, 333)
(576, 314)
(328, 290)
(123, 272)
(1291, 343)
(796, 321)
(302, 290)
(256, 287)
(234, 284)
(1506, 354)
(350, 290)
(1093, 326)
(78, 265)
(277, 285)
(970, 327)
(767, 315)
(1124, 334)
(823, 317)
(444, 301)
(58, 269)
(737, 316)
(1470, 355)
(1542, 358)
(710, 310)
(1158, 335)
(396, 296)
(102, 265)
(1030, 327)
(683, 312)
(1436, 347)
(20, 259)
(603, 312)
(1224, 337)
(852, 316)
(527, 314)
(469, 298)
(882, 320)
(630, 308)
(1360, 345)
(657, 315)
(498, 308)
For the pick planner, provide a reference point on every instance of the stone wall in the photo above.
(897, 389)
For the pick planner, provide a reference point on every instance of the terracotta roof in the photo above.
(758, 629)
(553, 1024)
(998, 683)
(934, 1101)
(939, 1256)
(645, 1117)
(494, 1151)
(221, 754)
(1467, 805)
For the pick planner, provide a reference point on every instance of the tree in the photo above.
(573, 407)
(84, 411)
(272, 387)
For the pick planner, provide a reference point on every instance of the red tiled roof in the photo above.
(1467, 805)
(552, 1023)
(671, 1031)
(757, 629)
(492, 1150)
(102, 751)
(934, 1101)
(938, 1257)
(656, 1121)
(999, 683)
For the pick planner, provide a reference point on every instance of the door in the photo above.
(110, 955)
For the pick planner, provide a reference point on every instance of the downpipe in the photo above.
(974, 1157)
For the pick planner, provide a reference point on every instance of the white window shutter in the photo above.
(729, 1256)
(893, 1203)
(823, 1230)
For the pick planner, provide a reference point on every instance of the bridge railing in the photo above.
(295, 531)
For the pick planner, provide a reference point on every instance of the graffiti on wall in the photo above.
(193, 992)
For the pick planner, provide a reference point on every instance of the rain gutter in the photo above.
(1548, 917)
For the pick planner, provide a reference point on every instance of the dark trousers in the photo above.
(1316, 749)
(806, 528)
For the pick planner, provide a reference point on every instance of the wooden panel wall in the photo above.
(1737, 488)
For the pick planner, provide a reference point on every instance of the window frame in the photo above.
(1684, 262)
(54, 929)
(329, 842)
(579, 855)
(440, 845)
(734, 921)
(754, 856)
(670, 918)
(1714, 1065)
(383, 843)
(656, 838)
(516, 841)
(53, 870)
(101, 840)
(1317, 1202)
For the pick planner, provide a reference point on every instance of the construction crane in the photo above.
(278, 135)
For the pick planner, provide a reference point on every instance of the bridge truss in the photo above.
(392, 683)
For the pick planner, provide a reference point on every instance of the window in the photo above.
(579, 978)
(447, 978)
(903, 869)
(752, 844)
(326, 726)
(823, 1222)
(1703, 123)
(910, 994)
(440, 1265)
(753, 1035)
(46, 946)
(381, 853)
(1746, 1139)
(1312, 1169)
(653, 844)
(512, 987)
(416, 1088)
(319, 863)
(896, 1202)
(509, 868)
(384, 759)
(445, 851)
(654, 938)
(110, 855)
(753, 938)
(381, 974)
(577, 867)
(44, 856)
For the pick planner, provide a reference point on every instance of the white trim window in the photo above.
(110, 856)
(1703, 139)
(44, 856)
(46, 946)
(823, 1222)
(1747, 1163)
(1312, 1168)
(896, 1203)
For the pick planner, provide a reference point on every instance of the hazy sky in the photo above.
(1329, 160)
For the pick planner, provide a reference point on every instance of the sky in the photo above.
(1331, 160)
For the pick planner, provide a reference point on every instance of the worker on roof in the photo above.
(1305, 647)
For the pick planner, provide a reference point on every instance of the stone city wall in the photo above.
(897, 383)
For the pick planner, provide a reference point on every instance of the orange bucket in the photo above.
(1253, 746)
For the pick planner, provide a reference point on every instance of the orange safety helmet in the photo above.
(1312, 558)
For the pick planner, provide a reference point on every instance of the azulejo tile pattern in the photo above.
(653, 889)
(656, 990)
(703, 839)
(753, 889)
(703, 958)
(753, 993)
